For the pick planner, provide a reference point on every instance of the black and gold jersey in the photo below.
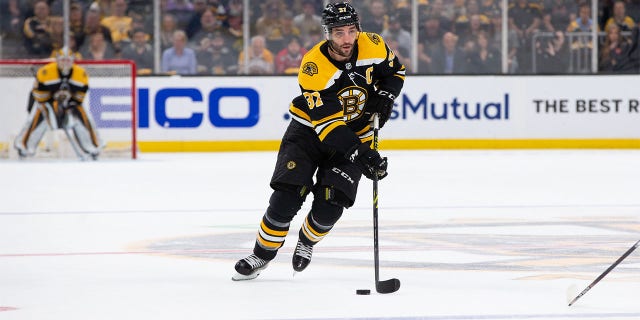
(335, 94)
(49, 80)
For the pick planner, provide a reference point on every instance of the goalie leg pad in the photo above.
(34, 129)
(84, 132)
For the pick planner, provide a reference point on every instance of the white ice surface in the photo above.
(470, 234)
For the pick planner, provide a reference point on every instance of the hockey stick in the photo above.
(605, 272)
(391, 285)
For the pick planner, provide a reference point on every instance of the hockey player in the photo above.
(59, 91)
(344, 81)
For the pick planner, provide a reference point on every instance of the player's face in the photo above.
(344, 39)
(65, 64)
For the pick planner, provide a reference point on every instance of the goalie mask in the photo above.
(65, 60)
(338, 15)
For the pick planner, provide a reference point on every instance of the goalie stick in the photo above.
(390, 285)
(625, 255)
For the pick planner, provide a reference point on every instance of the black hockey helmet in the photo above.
(338, 15)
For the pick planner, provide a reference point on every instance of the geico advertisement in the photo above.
(202, 109)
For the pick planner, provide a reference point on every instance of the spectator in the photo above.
(193, 26)
(97, 48)
(314, 37)
(513, 43)
(561, 12)
(395, 31)
(581, 46)
(199, 7)
(145, 8)
(76, 20)
(11, 25)
(209, 25)
(633, 9)
(437, 10)
(429, 39)
(167, 29)
(462, 24)
(140, 51)
(477, 24)
(218, 8)
(37, 31)
(552, 55)
(118, 23)
(138, 21)
(525, 18)
(103, 6)
(490, 7)
(179, 59)
(583, 22)
(261, 60)
(57, 33)
(92, 25)
(215, 57)
(288, 59)
(449, 59)
(308, 19)
(376, 21)
(269, 23)
(434, 26)
(485, 59)
(620, 17)
(235, 7)
(401, 53)
(616, 52)
(182, 10)
(283, 34)
(10, 17)
(233, 33)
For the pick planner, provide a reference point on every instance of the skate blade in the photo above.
(242, 277)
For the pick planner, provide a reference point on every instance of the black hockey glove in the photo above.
(381, 102)
(368, 161)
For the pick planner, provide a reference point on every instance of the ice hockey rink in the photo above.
(470, 234)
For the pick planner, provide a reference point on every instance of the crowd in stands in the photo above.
(206, 37)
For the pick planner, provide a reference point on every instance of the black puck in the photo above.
(363, 291)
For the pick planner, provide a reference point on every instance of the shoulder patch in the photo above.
(375, 38)
(310, 68)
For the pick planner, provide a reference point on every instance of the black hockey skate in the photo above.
(249, 268)
(301, 256)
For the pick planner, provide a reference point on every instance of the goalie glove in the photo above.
(381, 102)
(368, 161)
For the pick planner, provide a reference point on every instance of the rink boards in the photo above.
(433, 112)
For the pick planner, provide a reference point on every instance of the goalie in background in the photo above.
(59, 91)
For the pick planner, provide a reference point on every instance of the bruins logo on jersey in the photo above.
(310, 68)
(353, 100)
(373, 37)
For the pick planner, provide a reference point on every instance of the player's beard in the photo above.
(345, 51)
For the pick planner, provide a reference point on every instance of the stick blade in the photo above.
(388, 286)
